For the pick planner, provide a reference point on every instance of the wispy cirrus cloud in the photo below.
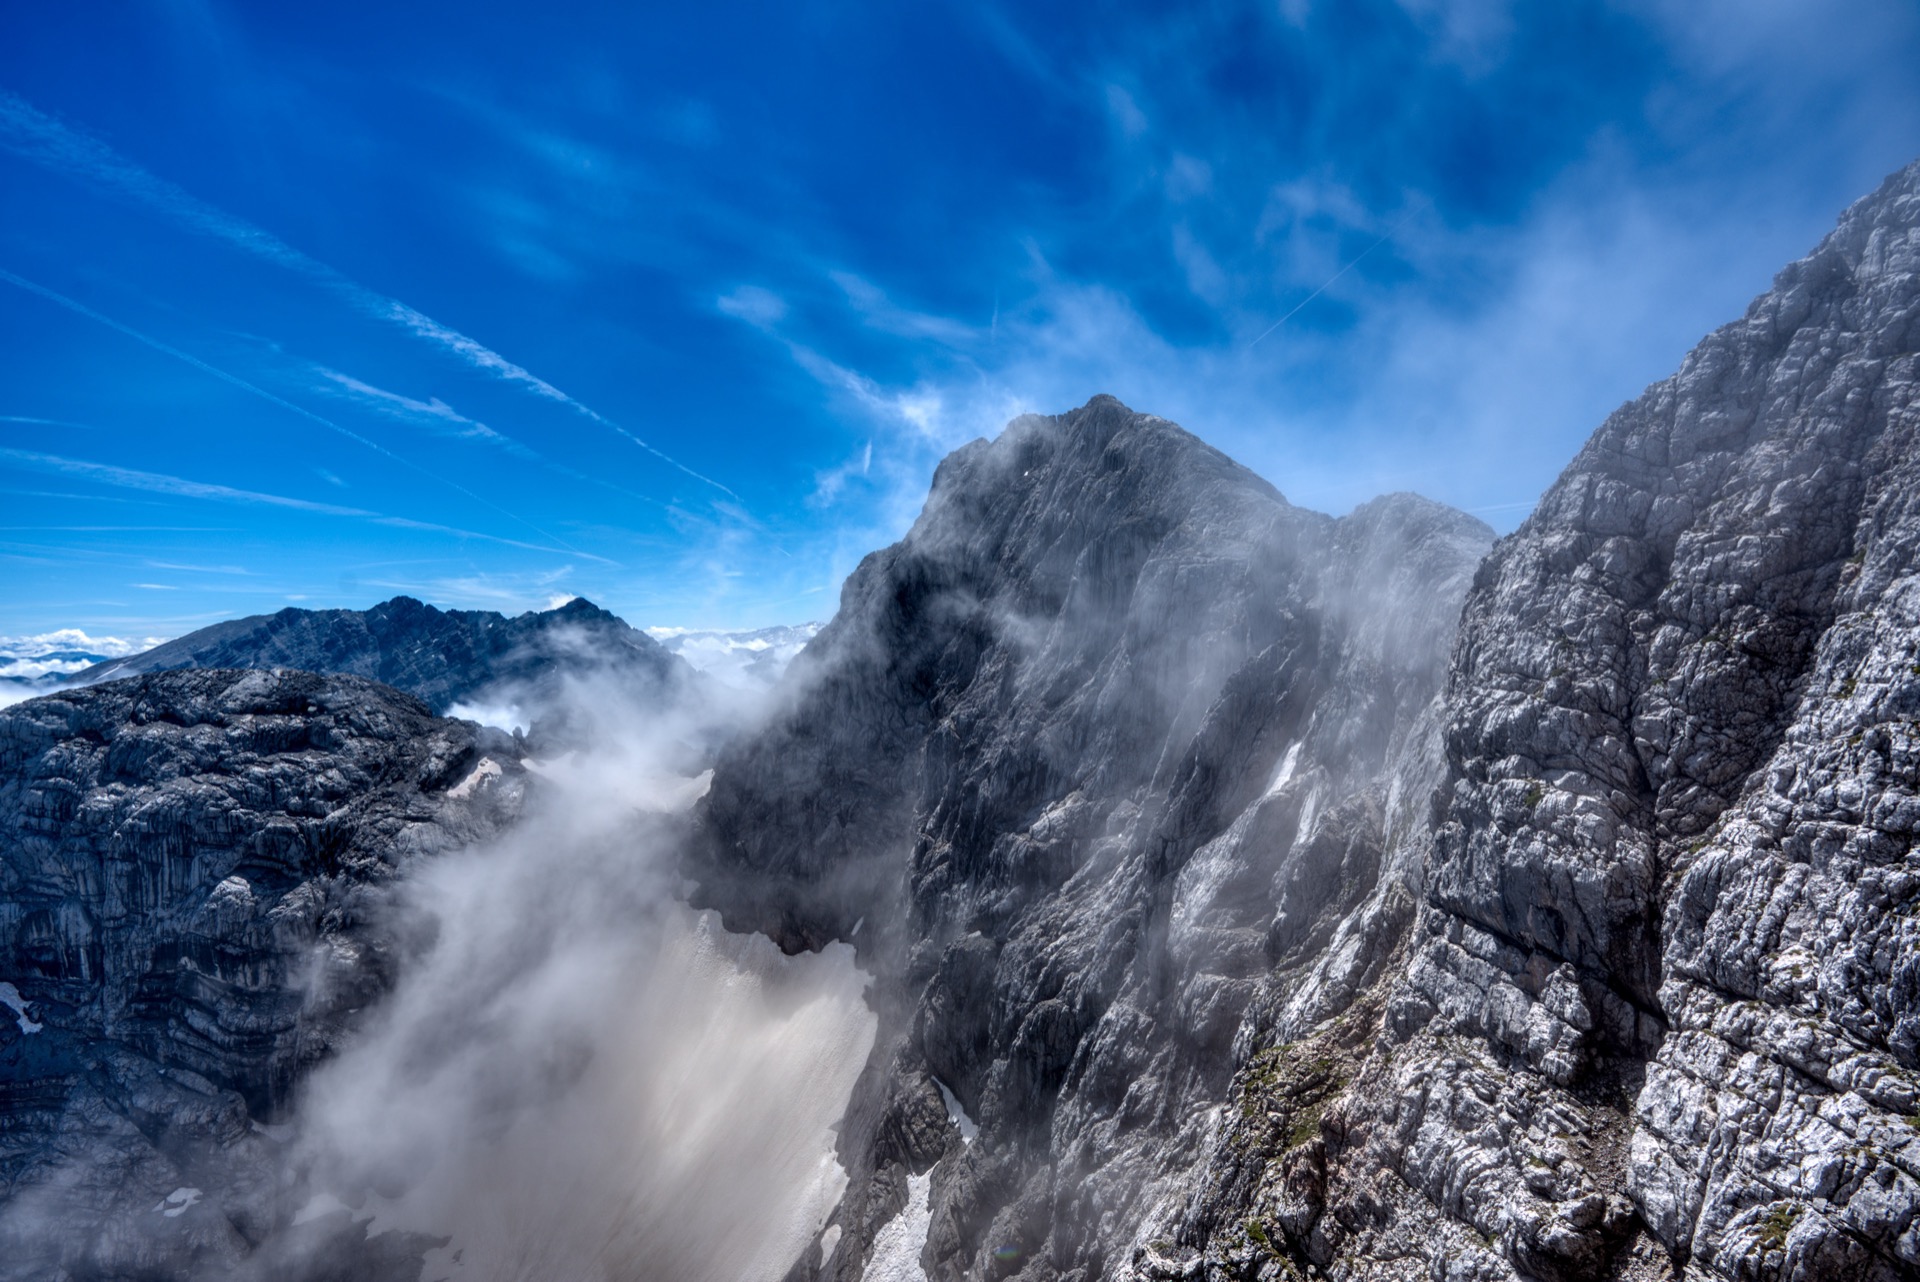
(432, 413)
(182, 487)
(438, 416)
(252, 389)
(43, 422)
(36, 136)
(177, 486)
(203, 569)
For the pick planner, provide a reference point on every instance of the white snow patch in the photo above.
(10, 996)
(178, 1202)
(1287, 764)
(956, 1114)
(318, 1205)
(483, 775)
(1309, 812)
(898, 1244)
(828, 1241)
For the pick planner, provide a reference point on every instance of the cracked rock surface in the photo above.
(1659, 1014)
(191, 865)
(1113, 769)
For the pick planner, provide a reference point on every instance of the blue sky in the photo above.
(676, 307)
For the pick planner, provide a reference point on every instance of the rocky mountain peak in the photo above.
(1108, 734)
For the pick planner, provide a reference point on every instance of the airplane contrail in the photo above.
(160, 483)
(1390, 234)
(235, 380)
(32, 134)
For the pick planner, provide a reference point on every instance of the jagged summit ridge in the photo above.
(1092, 766)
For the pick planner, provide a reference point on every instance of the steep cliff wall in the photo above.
(190, 864)
(1660, 1015)
(1111, 751)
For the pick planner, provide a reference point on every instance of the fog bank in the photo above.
(578, 1077)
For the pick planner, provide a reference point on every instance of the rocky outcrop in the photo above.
(1659, 1015)
(1097, 767)
(444, 657)
(191, 869)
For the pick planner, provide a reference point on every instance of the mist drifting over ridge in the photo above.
(581, 1078)
(528, 1058)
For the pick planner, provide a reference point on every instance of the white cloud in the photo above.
(1125, 112)
(756, 306)
(432, 412)
(1188, 178)
(1472, 34)
(828, 485)
(161, 483)
(881, 313)
(1204, 274)
(63, 652)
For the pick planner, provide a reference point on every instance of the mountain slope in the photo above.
(1094, 766)
(1663, 1012)
(191, 866)
(441, 656)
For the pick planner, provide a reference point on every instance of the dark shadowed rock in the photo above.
(191, 865)
(443, 657)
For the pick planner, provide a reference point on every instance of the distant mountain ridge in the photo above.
(442, 657)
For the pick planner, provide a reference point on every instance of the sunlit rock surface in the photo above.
(1660, 1011)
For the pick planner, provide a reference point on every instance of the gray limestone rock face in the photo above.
(1113, 767)
(191, 872)
(1657, 1017)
